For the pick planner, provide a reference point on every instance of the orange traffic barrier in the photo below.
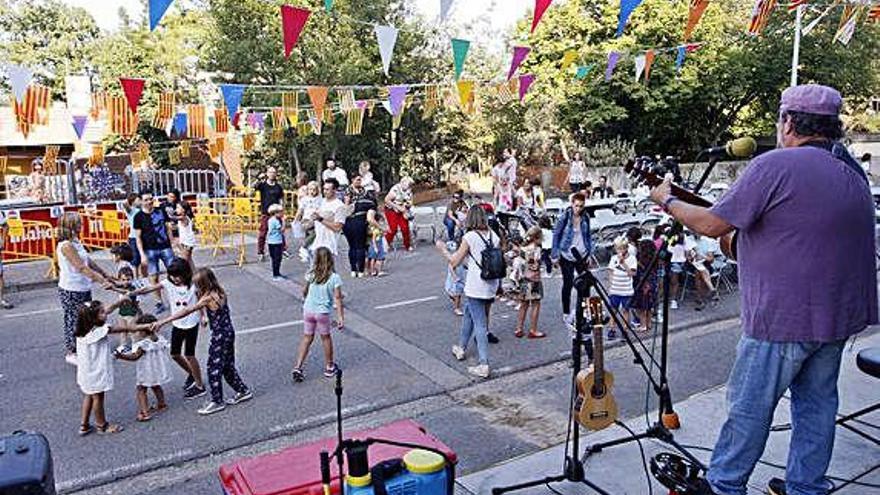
(103, 229)
(30, 240)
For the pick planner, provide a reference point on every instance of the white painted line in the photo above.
(406, 303)
(270, 327)
(296, 425)
(123, 471)
(30, 313)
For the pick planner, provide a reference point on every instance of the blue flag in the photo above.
(178, 128)
(626, 9)
(679, 60)
(232, 94)
(157, 10)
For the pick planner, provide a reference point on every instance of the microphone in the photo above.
(738, 148)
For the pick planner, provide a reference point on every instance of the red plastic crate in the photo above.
(297, 470)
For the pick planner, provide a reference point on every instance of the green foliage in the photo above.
(610, 153)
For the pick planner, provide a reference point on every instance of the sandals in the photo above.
(143, 417)
(85, 429)
(108, 428)
(518, 333)
(158, 408)
(534, 334)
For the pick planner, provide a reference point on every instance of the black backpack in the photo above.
(493, 266)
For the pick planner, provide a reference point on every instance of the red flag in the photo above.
(794, 4)
(133, 88)
(540, 8)
(293, 20)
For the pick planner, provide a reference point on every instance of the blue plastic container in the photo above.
(425, 474)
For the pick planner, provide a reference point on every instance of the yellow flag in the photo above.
(568, 58)
(16, 227)
(247, 141)
(465, 90)
(174, 156)
(111, 222)
(184, 148)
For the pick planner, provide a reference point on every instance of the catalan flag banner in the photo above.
(432, 99)
(794, 4)
(165, 112)
(34, 107)
(279, 120)
(761, 16)
(195, 121)
(848, 24)
(122, 120)
(346, 100)
(100, 104)
(51, 154)
(248, 140)
(221, 120)
(221, 144)
(277, 135)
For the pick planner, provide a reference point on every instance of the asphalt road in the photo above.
(395, 353)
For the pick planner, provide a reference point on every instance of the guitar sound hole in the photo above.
(598, 392)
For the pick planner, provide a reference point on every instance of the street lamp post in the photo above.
(796, 51)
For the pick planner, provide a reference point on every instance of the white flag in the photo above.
(817, 20)
(387, 37)
(640, 66)
(79, 94)
(19, 78)
(445, 7)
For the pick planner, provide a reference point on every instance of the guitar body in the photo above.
(598, 409)
(728, 244)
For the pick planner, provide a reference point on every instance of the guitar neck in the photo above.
(598, 356)
(653, 180)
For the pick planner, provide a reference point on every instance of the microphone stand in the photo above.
(709, 168)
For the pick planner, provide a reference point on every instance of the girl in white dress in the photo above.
(150, 351)
(94, 360)
(186, 230)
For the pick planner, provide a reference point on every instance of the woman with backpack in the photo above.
(480, 248)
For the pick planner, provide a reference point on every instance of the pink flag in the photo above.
(525, 82)
(293, 20)
(540, 8)
(519, 54)
(133, 88)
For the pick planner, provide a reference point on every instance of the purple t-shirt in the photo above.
(806, 247)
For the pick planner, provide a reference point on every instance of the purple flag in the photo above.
(519, 54)
(79, 125)
(613, 57)
(525, 82)
(396, 97)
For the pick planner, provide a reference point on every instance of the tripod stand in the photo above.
(573, 469)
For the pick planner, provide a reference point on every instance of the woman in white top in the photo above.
(367, 180)
(577, 173)
(77, 273)
(186, 240)
(479, 293)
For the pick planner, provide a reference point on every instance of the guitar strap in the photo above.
(840, 152)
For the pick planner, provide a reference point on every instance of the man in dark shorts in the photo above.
(271, 193)
(152, 231)
(808, 282)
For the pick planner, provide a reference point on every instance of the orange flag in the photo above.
(318, 96)
(122, 120)
(698, 7)
(649, 61)
(195, 121)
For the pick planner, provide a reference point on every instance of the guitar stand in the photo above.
(573, 468)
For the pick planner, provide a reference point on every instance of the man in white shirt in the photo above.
(334, 172)
(329, 219)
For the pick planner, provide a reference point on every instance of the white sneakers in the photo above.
(481, 371)
(673, 304)
(458, 352)
(71, 359)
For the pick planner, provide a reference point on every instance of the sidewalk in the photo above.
(619, 469)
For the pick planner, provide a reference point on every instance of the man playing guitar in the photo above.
(808, 281)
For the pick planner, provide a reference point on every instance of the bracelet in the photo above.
(668, 202)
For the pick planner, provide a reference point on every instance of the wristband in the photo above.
(668, 202)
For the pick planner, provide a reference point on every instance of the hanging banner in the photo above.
(185, 148)
(459, 53)
(387, 38)
(679, 59)
(445, 6)
(649, 61)
(248, 140)
(613, 58)
(157, 11)
(519, 54)
(540, 8)
(174, 156)
(794, 4)
(626, 9)
(641, 61)
(34, 109)
(819, 19)
(465, 89)
(698, 7)
(19, 79)
(845, 33)
(293, 20)
(221, 121)
(79, 125)
(232, 95)
(318, 97)
(583, 71)
(179, 126)
(165, 111)
(568, 58)
(525, 82)
(328, 6)
(123, 120)
(195, 119)
(78, 90)
(133, 89)
(396, 98)
(354, 121)
(279, 120)
(761, 16)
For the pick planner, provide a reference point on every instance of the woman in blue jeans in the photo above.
(479, 293)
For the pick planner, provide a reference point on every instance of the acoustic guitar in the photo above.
(595, 407)
(642, 175)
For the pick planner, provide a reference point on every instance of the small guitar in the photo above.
(595, 407)
(642, 175)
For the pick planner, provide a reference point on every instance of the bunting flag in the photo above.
(78, 89)
(318, 97)
(525, 82)
(195, 121)
(810, 27)
(845, 33)
(346, 99)
(354, 121)
(540, 8)
(19, 79)
(97, 155)
(232, 95)
(99, 105)
(328, 6)
(874, 13)
(220, 142)
(397, 98)
(387, 38)
(179, 125)
(432, 99)
(649, 61)
(290, 102)
(679, 59)
(49, 156)
(459, 53)
(613, 58)
(761, 16)
(257, 120)
(248, 140)
(697, 8)
(174, 156)
(34, 108)
(445, 7)
(165, 111)
(279, 120)
(507, 91)
(583, 71)
(221, 121)
(123, 120)
(157, 11)
(133, 89)
(519, 54)
(568, 58)
(465, 90)
(79, 125)
(315, 120)
(185, 148)
(794, 4)
(627, 7)
(293, 20)
(640, 61)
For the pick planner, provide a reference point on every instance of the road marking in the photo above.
(270, 327)
(30, 313)
(405, 303)
(296, 425)
(124, 471)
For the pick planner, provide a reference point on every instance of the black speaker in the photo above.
(26, 465)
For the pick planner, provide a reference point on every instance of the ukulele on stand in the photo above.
(595, 407)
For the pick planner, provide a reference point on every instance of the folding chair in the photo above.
(423, 218)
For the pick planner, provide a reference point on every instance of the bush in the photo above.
(611, 153)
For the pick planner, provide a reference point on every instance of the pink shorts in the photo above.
(316, 322)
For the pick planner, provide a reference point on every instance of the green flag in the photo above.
(583, 70)
(459, 52)
(328, 5)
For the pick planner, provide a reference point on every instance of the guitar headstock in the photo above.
(640, 173)
(595, 311)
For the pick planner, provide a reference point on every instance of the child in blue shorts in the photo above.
(376, 251)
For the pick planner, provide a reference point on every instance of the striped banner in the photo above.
(174, 156)
(279, 120)
(221, 120)
(100, 103)
(277, 135)
(761, 16)
(794, 4)
(247, 141)
(346, 100)
(221, 144)
(874, 13)
(122, 120)
(34, 108)
(508, 91)
(165, 112)
(354, 121)
(432, 99)
(195, 121)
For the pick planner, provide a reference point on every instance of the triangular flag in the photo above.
(396, 98)
(698, 7)
(568, 58)
(465, 88)
(387, 106)
(19, 78)
(318, 96)
(679, 59)
(819, 19)
(525, 82)
(845, 33)
(459, 53)
(79, 125)
(626, 9)
(232, 94)
(293, 20)
(540, 8)
(387, 38)
(641, 61)
(157, 10)
(328, 5)
(583, 70)
(649, 61)
(519, 54)
(180, 124)
(133, 89)
(613, 58)
(445, 6)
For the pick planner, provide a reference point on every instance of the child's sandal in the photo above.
(158, 408)
(85, 429)
(144, 417)
(518, 333)
(108, 428)
(534, 334)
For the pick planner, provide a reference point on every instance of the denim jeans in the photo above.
(476, 323)
(762, 372)
(450, 228)
(166, 256)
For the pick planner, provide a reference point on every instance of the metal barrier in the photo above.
(30, 240)
(196, 181)
(103, 229)
(221, 232)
